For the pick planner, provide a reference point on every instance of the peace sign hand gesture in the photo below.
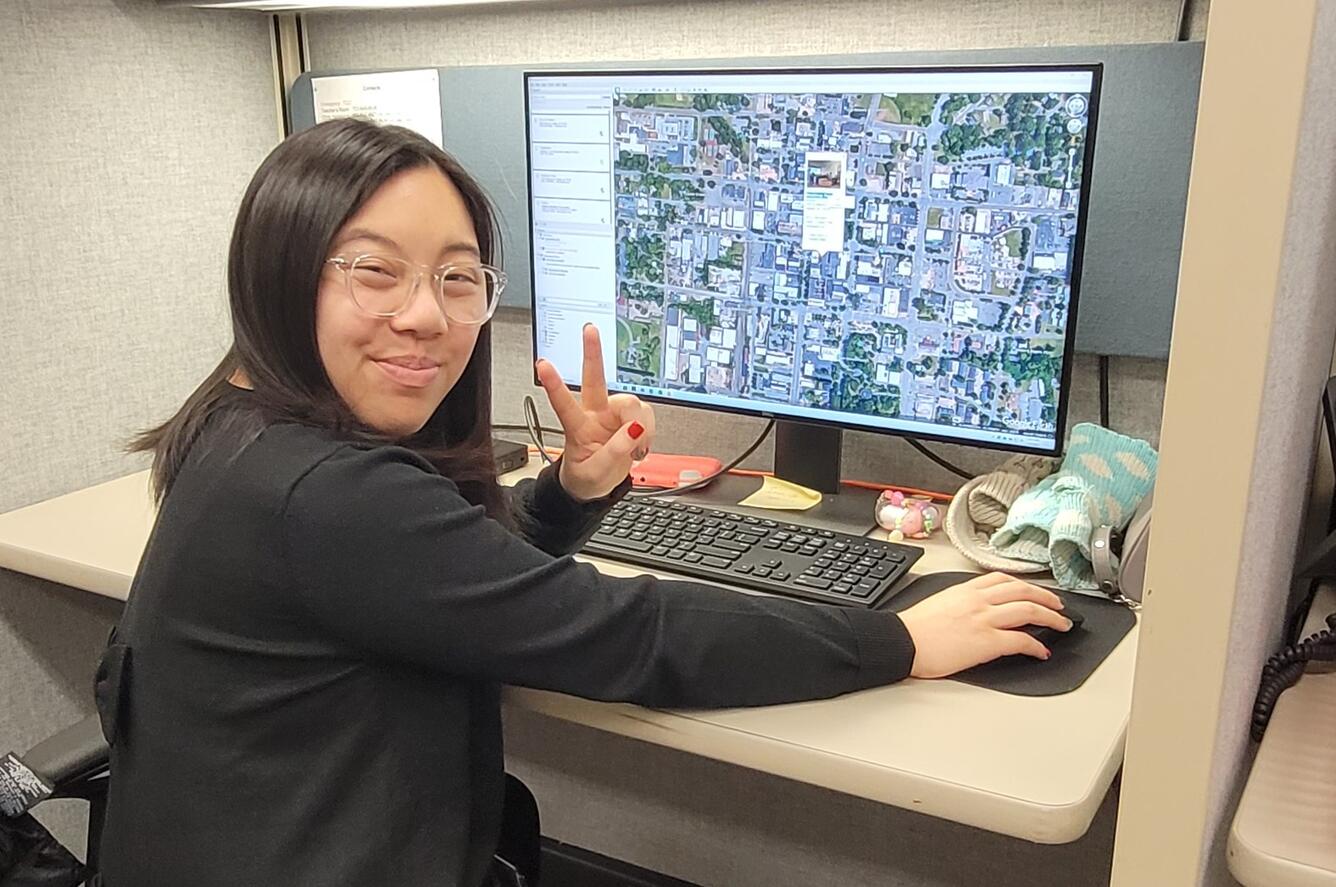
(604, 433)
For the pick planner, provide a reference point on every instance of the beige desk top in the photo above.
(1032, 768)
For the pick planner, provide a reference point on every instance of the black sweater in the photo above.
(316, 639)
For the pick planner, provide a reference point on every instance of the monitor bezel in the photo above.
(1095, 69)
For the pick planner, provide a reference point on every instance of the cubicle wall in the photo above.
(129, 134)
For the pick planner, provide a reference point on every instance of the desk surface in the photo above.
(1033, 768)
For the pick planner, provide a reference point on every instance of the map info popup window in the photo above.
(894, 249)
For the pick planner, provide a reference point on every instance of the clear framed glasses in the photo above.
(383, 286)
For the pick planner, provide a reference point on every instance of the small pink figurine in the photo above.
(907, 517)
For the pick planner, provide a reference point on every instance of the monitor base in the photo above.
(848, 511)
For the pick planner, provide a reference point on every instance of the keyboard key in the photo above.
(731, 545)
(813, 582)
(624, 544)
(659, 550)
(842, 587)
(761, 571)
(822, 562)
(692, 557)
(780, 575)
(676, 554)
(742, 568)
(716, 562)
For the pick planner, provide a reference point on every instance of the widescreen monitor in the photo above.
(894, 250)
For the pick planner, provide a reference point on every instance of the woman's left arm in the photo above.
(551, 519)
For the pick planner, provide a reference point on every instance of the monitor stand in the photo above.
(808, 455)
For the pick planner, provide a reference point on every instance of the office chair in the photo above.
(73, 763)
(76, 763)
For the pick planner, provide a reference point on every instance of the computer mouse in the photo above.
(1048, 636)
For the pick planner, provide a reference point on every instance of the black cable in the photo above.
(697, 484)
(1181, 33)
(954, 469)
(1104, 390)
(534, 425)
(1284, 669)
(516, 426)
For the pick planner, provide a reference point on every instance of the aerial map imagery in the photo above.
(900, 256)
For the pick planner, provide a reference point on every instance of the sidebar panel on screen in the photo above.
(570, 159)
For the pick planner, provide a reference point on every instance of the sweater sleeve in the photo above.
(388, 557)
(549, 518)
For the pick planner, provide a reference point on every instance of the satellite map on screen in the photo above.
(892, 255)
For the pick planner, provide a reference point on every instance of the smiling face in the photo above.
(393, 372)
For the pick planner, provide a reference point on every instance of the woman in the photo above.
(304, 688)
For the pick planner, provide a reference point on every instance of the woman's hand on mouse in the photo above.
(976, 622)
(604, 433)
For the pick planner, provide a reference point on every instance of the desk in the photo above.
(1032, 768)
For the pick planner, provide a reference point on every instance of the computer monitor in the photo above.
(894, 250)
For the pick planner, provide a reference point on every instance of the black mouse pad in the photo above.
(1076, 654)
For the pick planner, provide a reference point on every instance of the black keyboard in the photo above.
(752, 552)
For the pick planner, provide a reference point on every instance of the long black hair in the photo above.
(300, 197)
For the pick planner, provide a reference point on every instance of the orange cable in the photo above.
(848, 482)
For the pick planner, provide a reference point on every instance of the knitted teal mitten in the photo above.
(1102, 480)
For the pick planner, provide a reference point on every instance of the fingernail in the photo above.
(587, 326)
(1047, 653)
(635, 430)
(1069, 625)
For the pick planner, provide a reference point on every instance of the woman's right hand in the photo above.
(977, 621)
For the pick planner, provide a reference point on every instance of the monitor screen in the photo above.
(895, 250)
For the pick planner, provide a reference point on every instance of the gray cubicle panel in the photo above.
(1139, 183)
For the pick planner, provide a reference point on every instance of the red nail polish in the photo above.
(635, 430)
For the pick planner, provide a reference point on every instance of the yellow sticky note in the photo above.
(782, 494)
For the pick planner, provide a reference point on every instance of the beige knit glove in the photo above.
(989, 502)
